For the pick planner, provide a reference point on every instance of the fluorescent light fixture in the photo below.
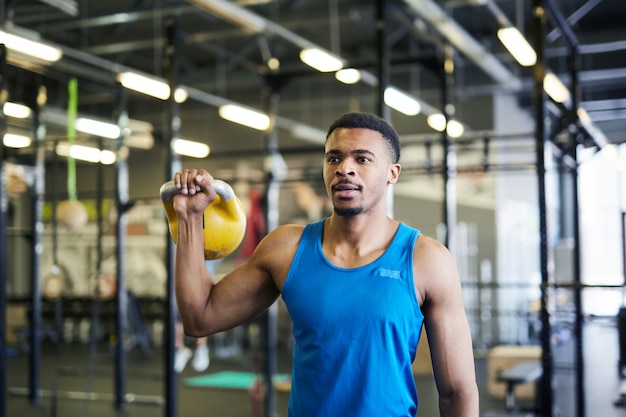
(436, 121)
(597, 135)
(245, 116)
(97, 128)
(438, 16)
(139, 126)
(273, 63)
(518, 46)
(232, 13)
(19, 111)
(30, 47)
(86, 153)
(191, 148)
(321, 60)
(139, 140)
(145, 85)
(348, 75)
(308, 133)
(13, 140)
(107, 157)
(584, 117)
(401, 101)
(140, 134)
(181, 95)
(455, 129)
(555, 88)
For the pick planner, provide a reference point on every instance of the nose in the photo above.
(344, 168)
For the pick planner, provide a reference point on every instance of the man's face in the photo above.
(357, 168)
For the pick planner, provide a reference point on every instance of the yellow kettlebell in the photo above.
(223, 222)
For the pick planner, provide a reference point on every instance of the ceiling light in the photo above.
(140, 134)
(434, 13)
(144, 85)
(401, 101)
(97, 128)
(191, 148)
(348, 75)
(19, 111)
(107, 157)
(518, 46)
(139, 140)
(245, 116)
(85, 153)
(555, 88)
(273, 64)
(321, 60)
(181, 95)
(11, 140)
(308, 133)
(594, 132)
(584, 117)
(455, 129)
(436, 121)
(30, 47)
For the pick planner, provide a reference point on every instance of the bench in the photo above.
(523, 372)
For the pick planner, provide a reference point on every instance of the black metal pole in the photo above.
(172, 127)
(578, 323)
(37, 231)
(382, 63)
(121, 203)
(4, 215)
(449, 153)
(579, 366)
(624, 248)
(546, 392)
(3, 281)
(383, 66)
(275, 177)
(100, 221)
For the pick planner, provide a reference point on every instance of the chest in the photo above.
(325, 298)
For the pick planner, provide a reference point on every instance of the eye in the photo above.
(364, 159)
(332, 159)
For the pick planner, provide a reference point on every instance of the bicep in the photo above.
(251, 288)
(240, 296)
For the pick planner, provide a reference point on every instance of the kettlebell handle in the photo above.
(223, 189)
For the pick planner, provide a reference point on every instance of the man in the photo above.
(358, 286)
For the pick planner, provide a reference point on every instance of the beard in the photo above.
(348, 212)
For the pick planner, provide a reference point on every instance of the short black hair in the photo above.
(360, 120)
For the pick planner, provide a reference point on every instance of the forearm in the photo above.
(192, 281)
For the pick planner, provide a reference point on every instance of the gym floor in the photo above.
(73, 369)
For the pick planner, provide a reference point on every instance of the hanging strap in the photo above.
(72, 110)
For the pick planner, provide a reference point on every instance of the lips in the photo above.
(345, 189)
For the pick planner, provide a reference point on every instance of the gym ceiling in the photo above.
(221, 60)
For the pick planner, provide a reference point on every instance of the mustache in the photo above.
(343, 183)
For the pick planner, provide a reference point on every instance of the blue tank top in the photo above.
(355, 330)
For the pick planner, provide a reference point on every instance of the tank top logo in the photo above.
(389, 273)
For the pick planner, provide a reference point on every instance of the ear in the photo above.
(394, 173)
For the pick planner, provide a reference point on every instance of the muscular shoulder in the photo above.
(434, 268)
(276, 251)
(285, 235)
(430, 251)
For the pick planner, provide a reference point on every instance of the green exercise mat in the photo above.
(231, 380)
